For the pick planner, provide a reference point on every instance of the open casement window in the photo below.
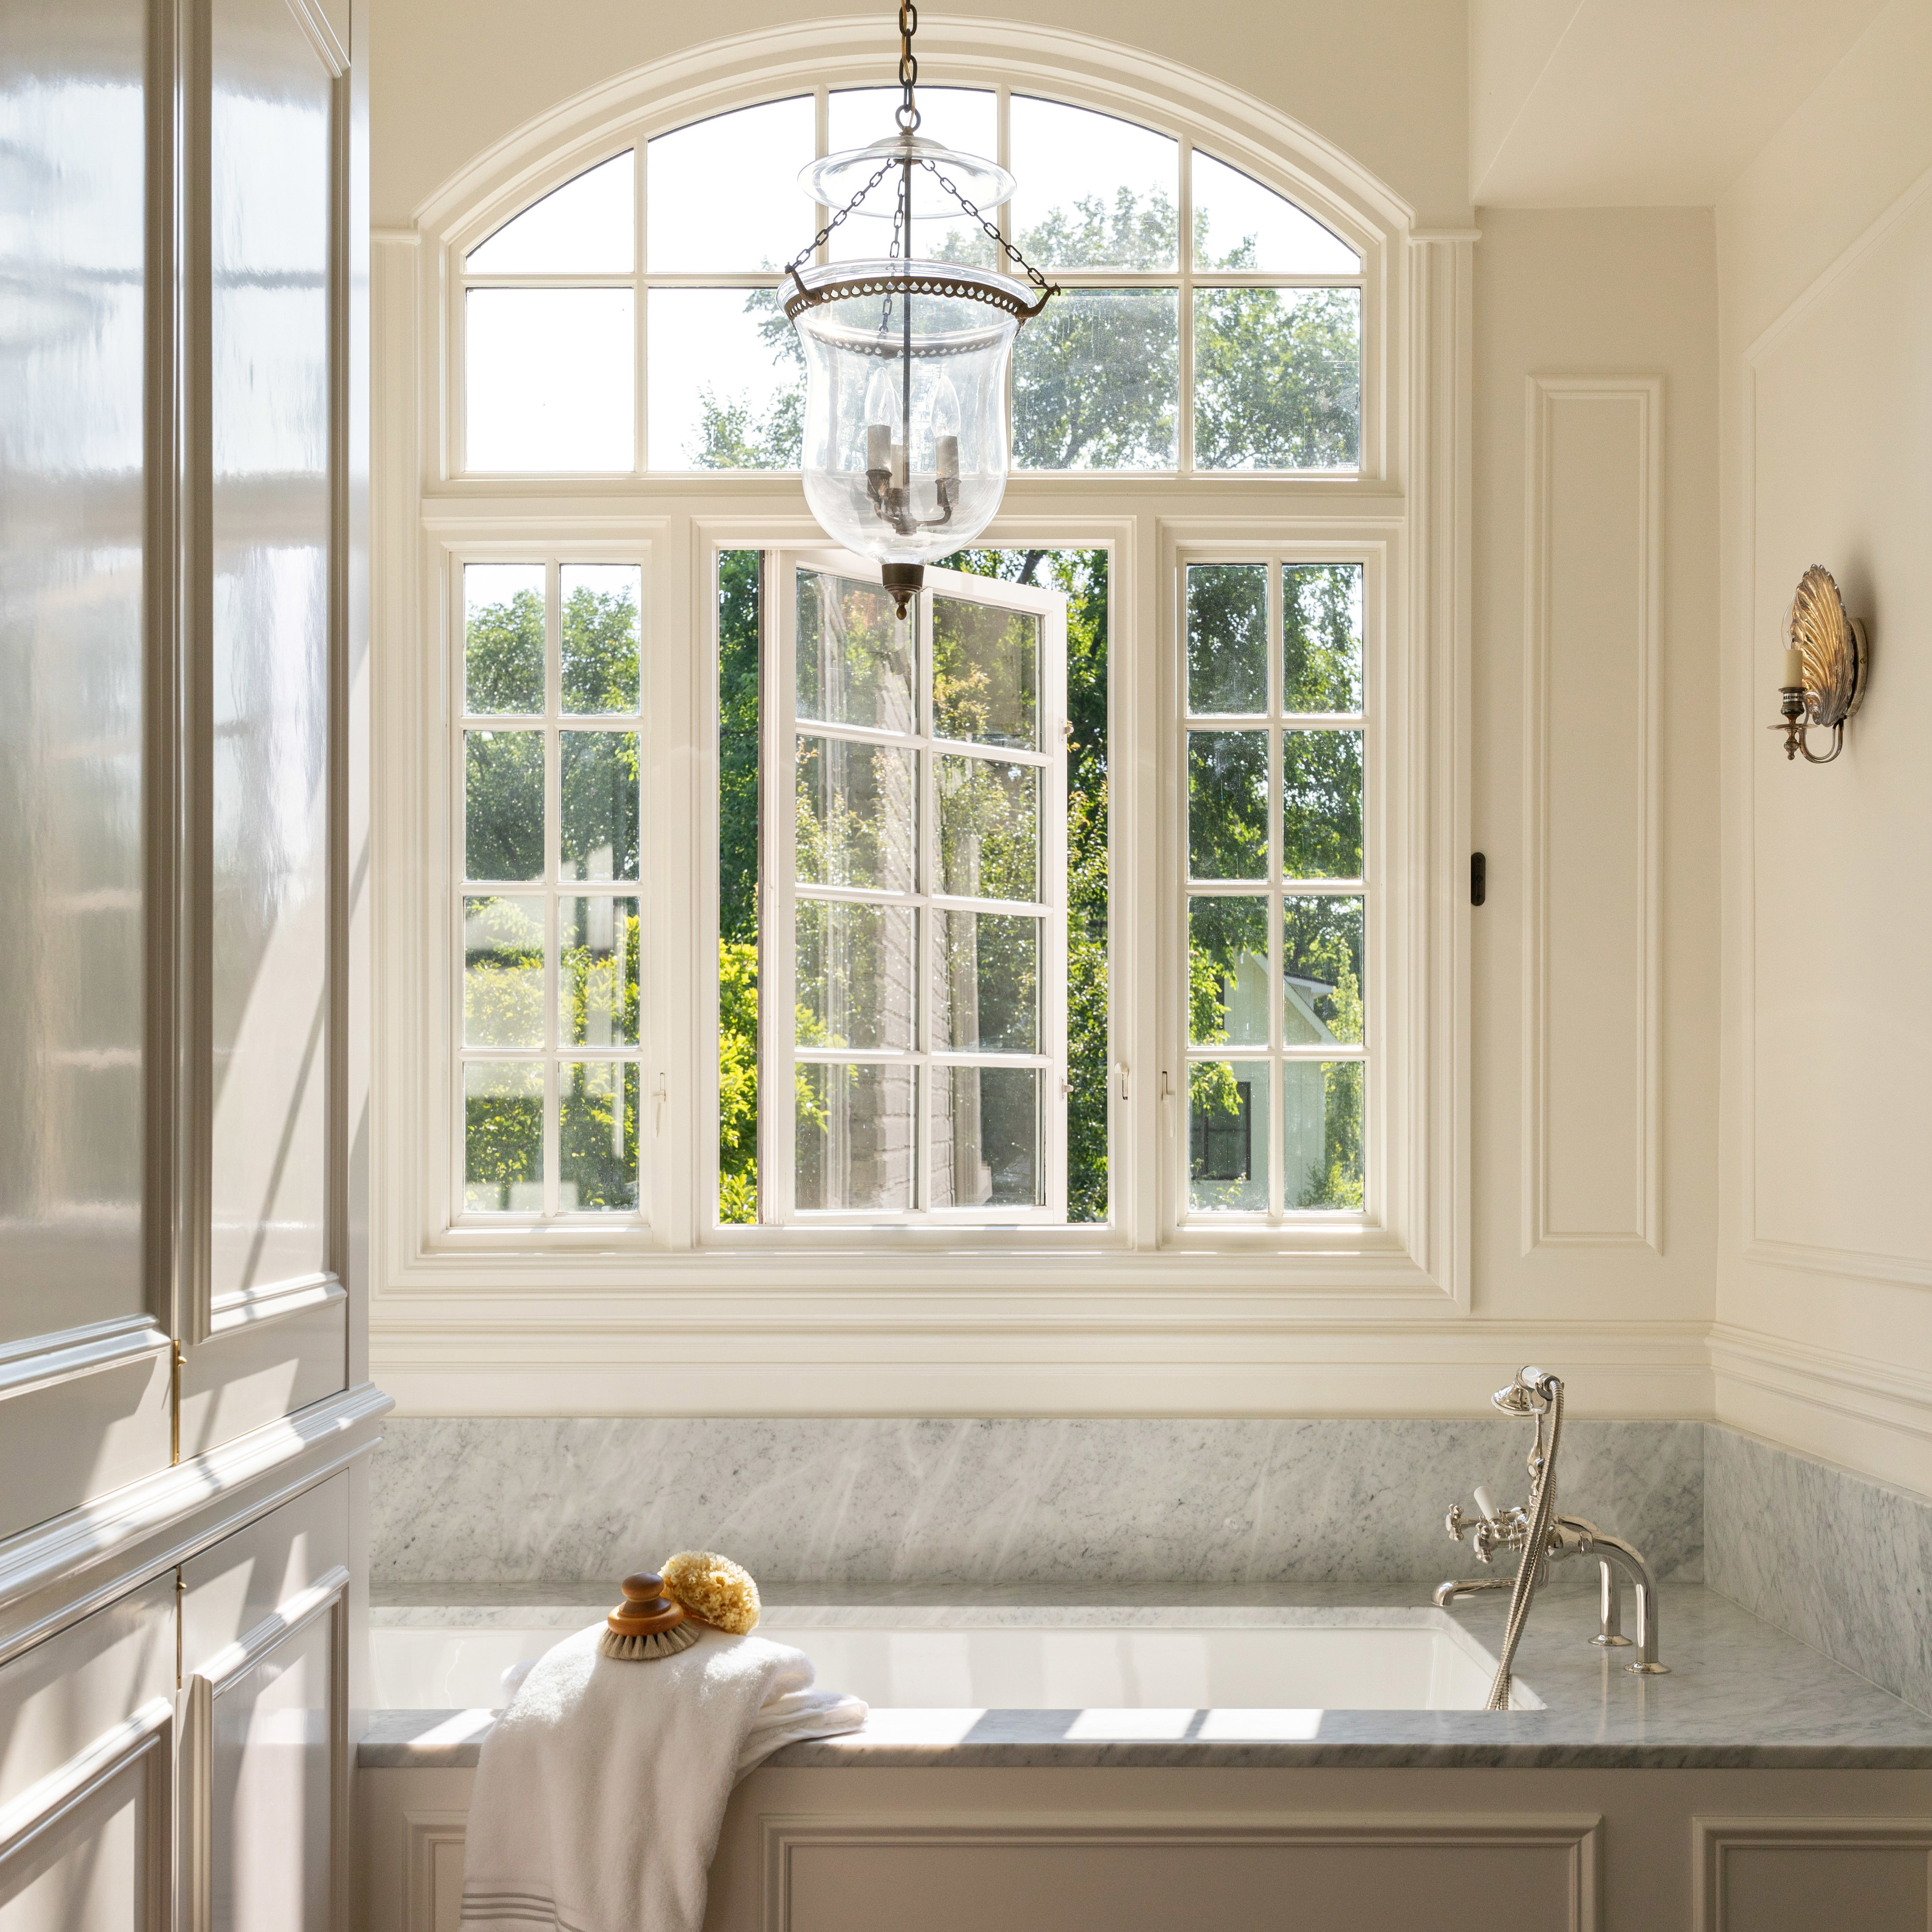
(914, 921)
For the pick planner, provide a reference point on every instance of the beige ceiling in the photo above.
(1630, 103)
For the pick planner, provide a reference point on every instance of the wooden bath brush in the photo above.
(647, 1624)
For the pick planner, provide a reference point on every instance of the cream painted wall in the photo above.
(1382, 79)
(1563, 292)
(1825, 1281)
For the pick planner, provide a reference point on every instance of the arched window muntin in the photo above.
(1373, 241)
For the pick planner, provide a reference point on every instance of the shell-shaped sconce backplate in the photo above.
(1834, 647)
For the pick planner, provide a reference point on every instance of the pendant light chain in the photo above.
(907, 115)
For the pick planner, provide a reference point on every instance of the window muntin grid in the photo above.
(1271, 1043)
(550, 928)
(1190, 313)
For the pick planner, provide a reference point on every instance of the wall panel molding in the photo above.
(1372, 1835)
(1718, 1843)
(432, 1868)
(1593, 561)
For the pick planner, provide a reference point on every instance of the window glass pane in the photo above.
(857, 976)
(597, 1137)
(1227, 972)
(1095, 378)
(1322, 1133)
(855, 1137)
(988, 830)
(964, 119)
(586, 227)
(740, 588)
(726, 380)
(746, 163)
(1227, 637)
(1094, 192)
(985, 1137)
(502, 1136)
(1227, 804)
(1321, 971)
(986, 983)
(599, 826)
(986, 673)
(1277, 379)
(857, 818)
(600, 637)
(1321, 608)
(855, 657)
(1240, 224)
(503, 638)
(550, 377)
(503, 972)
(1321, 804)
(1228, 1110)
(503, 805)
(599, 948)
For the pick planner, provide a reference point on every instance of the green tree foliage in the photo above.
(599, 664)
(503, 657)
(739, 585)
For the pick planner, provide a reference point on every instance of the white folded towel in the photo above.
(601, 1792)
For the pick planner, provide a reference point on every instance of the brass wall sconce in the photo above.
(1826, 668)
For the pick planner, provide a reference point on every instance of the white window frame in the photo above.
(1404, 514)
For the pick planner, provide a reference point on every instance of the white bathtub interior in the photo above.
(1168, 1672)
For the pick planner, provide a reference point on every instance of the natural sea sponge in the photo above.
(713, 1589)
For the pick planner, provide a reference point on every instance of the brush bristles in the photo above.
(643, 1649)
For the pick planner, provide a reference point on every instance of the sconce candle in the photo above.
(1825, 670)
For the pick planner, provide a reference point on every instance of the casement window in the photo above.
(1086, 909)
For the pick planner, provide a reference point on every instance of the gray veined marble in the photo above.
(521, 1501)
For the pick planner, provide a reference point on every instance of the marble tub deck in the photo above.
(1740, 1694)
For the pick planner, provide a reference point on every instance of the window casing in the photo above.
(1151, 526)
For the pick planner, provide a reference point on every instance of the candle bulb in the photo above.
(946, 452)
(878, 446)
(1794, 669)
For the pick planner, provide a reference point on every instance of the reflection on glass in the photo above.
(503, 805)
(599, 947)
(1227, 971)
(1321, 804)
(988, 829)
(1321, 607)
(1227, 804)
(1227, 1111)
(1240, 224)
(600, 638)
(744, 162)
(1227, 638)
(597, 1137)
(1097, 382)
(986, 674)
(549, 377)
(857, 816)
(1322, 1133)
(1095, 192)
(598, 828)
(725, 380)
(1322, 970)
(586, 227)
(986, 983)
(963, 119)
(855, 657)
(855, 1137)
(503, 972)
(857, 973)
(986, 1137)
(503, 638)
(502, 1137)
(1277, 379)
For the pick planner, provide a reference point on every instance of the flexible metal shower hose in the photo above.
(1542, 1514)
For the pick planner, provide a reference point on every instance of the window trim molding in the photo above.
(1138, 1313)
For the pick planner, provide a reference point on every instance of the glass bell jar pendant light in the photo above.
(905, 442)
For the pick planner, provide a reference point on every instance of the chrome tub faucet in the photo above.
(1537, 1393)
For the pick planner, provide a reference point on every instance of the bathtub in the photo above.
(1181, 1671)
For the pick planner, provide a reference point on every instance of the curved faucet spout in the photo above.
(1616, 1555)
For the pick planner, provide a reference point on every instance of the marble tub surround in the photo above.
(1843, 1563)
(1741, 1695)
(516, 1500)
